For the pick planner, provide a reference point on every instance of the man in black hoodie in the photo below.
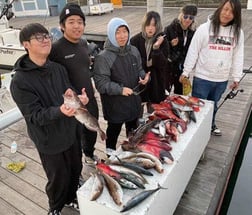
(37, 88)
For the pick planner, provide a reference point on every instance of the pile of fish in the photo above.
(149, 147)
(168, 120)
(124, 174)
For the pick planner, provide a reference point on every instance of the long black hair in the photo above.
(147, 20)
(236, 22)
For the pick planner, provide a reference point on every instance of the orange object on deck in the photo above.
(117, 3)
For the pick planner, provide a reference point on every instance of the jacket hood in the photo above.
(25, 64)
(113, 25)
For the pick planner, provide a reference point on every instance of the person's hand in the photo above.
(83, 97)
(127, 91)
(234, 85)
(64, 108)
(67, 110)
(145, 80)
(181, 78)
(159, 41)
(174, 41)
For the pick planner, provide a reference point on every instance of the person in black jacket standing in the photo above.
(37, 88)
(179, 34)
(72, 52)
(154, 50)
(118, 74)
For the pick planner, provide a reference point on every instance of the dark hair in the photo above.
(31, 29)
(147, 20)
(236, 22)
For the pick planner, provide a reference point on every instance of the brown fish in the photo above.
(82, 114)
(97, 187)
(114, 188)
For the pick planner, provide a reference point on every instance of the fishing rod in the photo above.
(233, 93)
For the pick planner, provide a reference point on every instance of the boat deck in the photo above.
(23, 192)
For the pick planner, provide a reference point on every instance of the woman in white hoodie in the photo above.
(216, 51)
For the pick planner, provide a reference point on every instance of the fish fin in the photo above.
(102, 135)
(161, 187)
(118, 159)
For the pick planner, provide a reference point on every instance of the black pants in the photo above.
(62, 171)
(178, 87)
(88, 141)
(88, 138)
(114, 129)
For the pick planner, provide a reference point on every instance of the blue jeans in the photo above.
(209, 90)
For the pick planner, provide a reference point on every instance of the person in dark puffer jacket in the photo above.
(117, 73)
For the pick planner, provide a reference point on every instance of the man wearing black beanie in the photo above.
(69, 10)
(72, 52)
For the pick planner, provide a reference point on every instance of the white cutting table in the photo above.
(186, 152)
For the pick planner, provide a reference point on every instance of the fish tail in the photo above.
(161, 187)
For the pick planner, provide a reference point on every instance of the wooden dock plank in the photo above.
(6, 208)
(19, 202)
(25, 189)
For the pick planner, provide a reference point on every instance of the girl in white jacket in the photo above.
(215, 52)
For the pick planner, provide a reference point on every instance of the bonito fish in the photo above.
(82, 114)
(114, 188)
(139, 198)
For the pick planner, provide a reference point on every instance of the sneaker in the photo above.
(54, 212)
(91, 160)
(216, 131)
(74, 205)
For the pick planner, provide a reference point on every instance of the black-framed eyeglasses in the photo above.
(41, 37)
(188, 17)
(138, 89)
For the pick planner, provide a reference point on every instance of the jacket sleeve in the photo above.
(194, 50)
(137, 54)
(40, 103)
(29, 104)
(159, 56)
(238, 58)
(102, 78)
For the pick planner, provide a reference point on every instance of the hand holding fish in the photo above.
(67, 110)
(76, 102)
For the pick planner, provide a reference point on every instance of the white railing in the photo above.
(10, 117)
